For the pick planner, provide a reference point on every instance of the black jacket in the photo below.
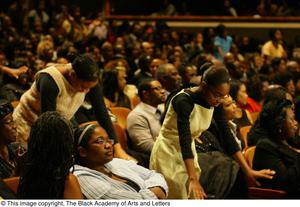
(284, 160)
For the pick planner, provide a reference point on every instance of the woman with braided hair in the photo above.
(46, 171)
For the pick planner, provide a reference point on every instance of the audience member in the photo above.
(103, 177)
(14, 88)
(274, 93)
(169, 77)
(8, 148)
(144, 69)
(155, 63)
(114, 82)
(46, 171)
(238, 92)
(143, 122)
(273, 47)
(285, 80)
(222, 42)
(187, 73)
(273, 152)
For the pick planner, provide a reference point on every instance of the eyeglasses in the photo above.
(100, 140)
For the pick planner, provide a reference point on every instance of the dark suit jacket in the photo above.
(285, 161)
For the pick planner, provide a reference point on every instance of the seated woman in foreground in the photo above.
(46, 173)
(103, 177)
(273, 152)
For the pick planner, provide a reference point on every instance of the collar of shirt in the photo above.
(149, 108)
(232, 126)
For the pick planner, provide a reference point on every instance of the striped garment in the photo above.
(96, 185)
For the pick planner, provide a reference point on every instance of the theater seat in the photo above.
(254, 116)
(265, 193)
(12, 183)
(72, 188)
(249, 154)
(122, 135)
(121, 114)
(257, 192)
(244, 132)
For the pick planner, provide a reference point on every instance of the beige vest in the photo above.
(28, 110)
(166, 157)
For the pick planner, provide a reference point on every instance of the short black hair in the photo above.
(216, 75)
(220, 29)
(144, 86)
(85, 67)
(272, 33)
(144, 62)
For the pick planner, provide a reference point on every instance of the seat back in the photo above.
(121, 113)
(121, 135)
(12, 183)
(254, 116)
(261, 193)
(244, 132)
(135, 101)
(265, 193)
(72, 191)
(249, 154)
(89, 122)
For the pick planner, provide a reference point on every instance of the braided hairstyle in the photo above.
(49, 158)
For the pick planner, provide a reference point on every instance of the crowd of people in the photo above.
(187, 96)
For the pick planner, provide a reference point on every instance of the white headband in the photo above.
(83, 132)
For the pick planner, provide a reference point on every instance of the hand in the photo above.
(15, 73)
(120, 153)
(195, 190)
(253, 175)
(160, 194)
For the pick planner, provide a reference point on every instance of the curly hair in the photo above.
(49, 158)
